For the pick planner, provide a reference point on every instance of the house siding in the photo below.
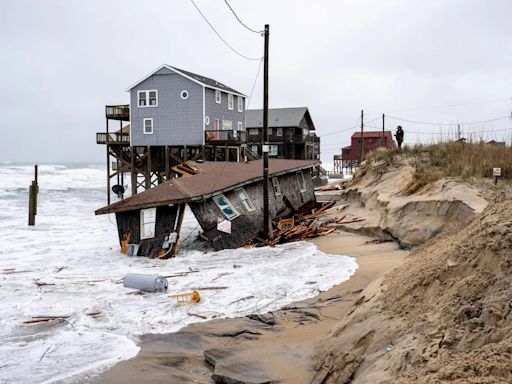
(221, 111)
(248, 224)
(128, 224)
(175, 121)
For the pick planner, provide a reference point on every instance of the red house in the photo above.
(351, 155)
(372, 140)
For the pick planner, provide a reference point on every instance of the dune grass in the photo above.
(451, 159)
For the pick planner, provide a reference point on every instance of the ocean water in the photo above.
(76, 255)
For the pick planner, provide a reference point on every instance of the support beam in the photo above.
(148, 170)
(167, 166)
(133, 173)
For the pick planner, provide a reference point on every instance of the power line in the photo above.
(433, 123)
(450, 105)
(254, 84)
(453, 133)
(220, 37)
(240, 21)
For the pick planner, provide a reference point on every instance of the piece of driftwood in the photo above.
(242, 299)
(197, 315)
(321, 374)
(43, 319)
(207, 288)
(221, 274)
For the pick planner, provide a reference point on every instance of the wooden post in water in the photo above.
(32, 199)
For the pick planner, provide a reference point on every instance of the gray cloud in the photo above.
(63, 61)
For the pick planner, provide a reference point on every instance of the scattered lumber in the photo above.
(306, 223)
(43, 319)
(197, 315)
(321, 374)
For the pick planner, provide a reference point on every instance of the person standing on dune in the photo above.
(399, 135)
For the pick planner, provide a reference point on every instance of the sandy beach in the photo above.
(278, 346)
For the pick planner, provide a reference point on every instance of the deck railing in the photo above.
(222, 136)
(112, 138)
(117, 112)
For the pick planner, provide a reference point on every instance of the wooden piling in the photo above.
(32, 199)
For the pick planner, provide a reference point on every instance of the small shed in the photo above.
(225, 197)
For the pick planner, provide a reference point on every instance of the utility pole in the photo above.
(458, 132)
(362, 139)
(382, 141)
(267, 233)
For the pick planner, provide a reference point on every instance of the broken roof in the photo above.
(278, 117)
(202, 80)
(212, 178)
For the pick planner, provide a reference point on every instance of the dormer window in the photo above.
(148, 98)
(240, 104)
(230, 101)
(218, 97)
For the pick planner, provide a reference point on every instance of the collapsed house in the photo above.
(225, 197)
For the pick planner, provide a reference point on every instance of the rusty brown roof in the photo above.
(212, 178)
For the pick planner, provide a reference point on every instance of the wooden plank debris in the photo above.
(307, 223)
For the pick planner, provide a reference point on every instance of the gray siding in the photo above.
(246, 226)
(175, 121)
(221, 111)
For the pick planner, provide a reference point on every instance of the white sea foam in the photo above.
(68, 235)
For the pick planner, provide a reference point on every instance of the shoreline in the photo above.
(279, 345)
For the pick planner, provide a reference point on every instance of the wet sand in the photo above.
(278, 346)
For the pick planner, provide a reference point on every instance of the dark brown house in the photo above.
(291, 133)
(225, 197)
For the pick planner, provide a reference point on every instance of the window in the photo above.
(244, 198)
(184, 94)
(216, 124)
(147, 223)
(148, 126)
(227, 124)
(207, 120)
(300, 180)
(230, 101)
(279, 131)
(305, 131)
(254, 149)
(148, 98)
(240, 104)
(240, 126)
(273, 150)
(270, 130)
(218, 97)
(253, 132)
(225, 206)
(276, 186)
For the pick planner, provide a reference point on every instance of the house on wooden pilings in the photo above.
(174, 116)
(225, 192)
(291, 133)
(351, 155)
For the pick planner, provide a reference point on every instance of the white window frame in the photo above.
(151, 233)
(253, 132)
(218, 96)
(146, 93)
(279, 132)
(240, 126)
(228, 204)
(254, 149)
(276, 186)
(240, 104)
(273, 150)
(244, 199)
(301, 181)
(186, 92)
(207, 120)
(231, 102)
(144, 125)
(227, 125)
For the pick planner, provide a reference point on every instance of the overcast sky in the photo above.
(443, 61)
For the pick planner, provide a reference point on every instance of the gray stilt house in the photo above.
(226, 199)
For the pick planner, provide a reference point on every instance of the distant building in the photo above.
(291, 133)
(227, 193)
(351, 155)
